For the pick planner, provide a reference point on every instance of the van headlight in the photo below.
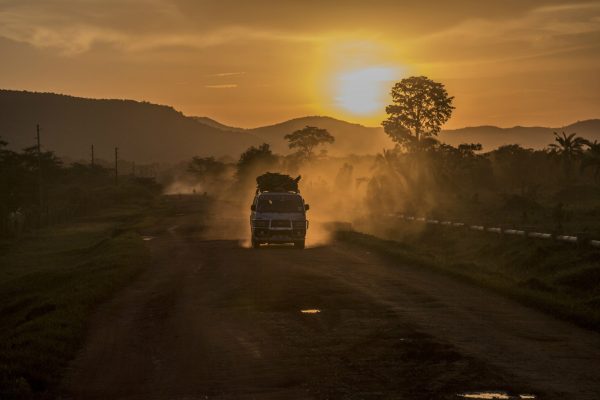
(260, 223)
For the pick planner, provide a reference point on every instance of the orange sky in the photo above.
(249, 63)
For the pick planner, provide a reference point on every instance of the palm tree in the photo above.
(569, 148)
(591, 159)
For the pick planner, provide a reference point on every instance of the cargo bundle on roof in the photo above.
(276, 182)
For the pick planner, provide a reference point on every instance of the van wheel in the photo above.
(299, 244)
(255, 244)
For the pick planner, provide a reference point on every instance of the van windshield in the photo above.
(281, 203)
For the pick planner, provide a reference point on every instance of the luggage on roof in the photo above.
(276, 182)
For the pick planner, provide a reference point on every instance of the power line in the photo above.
(116, 165)
(39, 160)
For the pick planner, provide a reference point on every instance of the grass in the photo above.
(580, 211)
(50, 283)
(560, 279)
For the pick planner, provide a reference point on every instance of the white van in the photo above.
(278, 217)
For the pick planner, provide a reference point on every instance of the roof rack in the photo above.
(276, 182)
(258, 191)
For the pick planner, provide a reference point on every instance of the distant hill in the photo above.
(359, 139)
(492, 137)
(143, 132)
(349, 138)
(146, 132)
(217, 124)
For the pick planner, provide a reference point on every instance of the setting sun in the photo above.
(364, 91)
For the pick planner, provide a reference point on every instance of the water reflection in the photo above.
(310, 311)
(495, 395)
(485, 395)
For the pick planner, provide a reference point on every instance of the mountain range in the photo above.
(147, 132)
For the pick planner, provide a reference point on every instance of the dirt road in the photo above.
(211, 319)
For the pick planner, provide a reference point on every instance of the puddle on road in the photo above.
(495, 395)
(485, 395)
(310, 311)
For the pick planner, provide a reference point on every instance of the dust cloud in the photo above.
(360, 192)
(335, 189)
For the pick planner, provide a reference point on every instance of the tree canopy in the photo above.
(420, 108)
(569, 148)
(307, 138)
(202, 166)
(260, 156)
(591, 159)
(44, 190)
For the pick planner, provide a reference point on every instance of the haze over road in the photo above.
(212, 319)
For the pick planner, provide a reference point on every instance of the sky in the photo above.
(251, 63)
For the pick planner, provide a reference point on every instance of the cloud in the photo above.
(76, 39)
(567, 7)
(542, 31)
(222, 86)
(75, 28)
(225, 74)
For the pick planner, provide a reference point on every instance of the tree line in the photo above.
(38, 189)
(423, 175)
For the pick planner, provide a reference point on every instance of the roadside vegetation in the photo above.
(68, 240)
(50, 282)
(555, 190)
(38, 189)
(559, 278)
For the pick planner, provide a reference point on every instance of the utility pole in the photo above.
(92, 156)
(39, 159)
(116, 165)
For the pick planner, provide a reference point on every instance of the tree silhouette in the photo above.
(68, 191)
(207, 170)
(202, 166)
(469, 149)
(420, 108)
(253, 158)
(591, 159)
(569, 148)
(307, 138)
(515, 167)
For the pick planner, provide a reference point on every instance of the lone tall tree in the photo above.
(420, 108)
(307, 138)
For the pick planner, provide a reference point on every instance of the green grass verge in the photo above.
(562, 280)
(49, 285)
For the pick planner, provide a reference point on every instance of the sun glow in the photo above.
(364, 91)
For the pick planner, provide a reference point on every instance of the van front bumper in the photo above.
(278, 235)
